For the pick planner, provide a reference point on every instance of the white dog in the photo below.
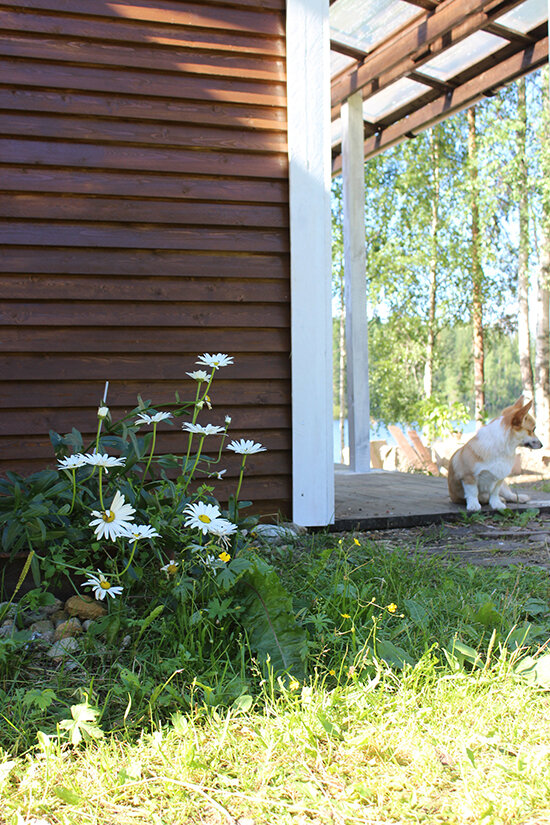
(478, 469)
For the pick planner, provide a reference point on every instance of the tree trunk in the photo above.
(524, 337)
(430, 346)
(477, 276)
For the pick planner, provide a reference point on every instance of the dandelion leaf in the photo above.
(269, 621)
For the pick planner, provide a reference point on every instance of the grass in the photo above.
(414, 709)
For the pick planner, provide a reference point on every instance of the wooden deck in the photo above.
(381, 499)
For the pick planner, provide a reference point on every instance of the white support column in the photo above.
(308, 85)
(355, 290)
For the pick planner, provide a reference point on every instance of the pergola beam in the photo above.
(428, 35)
(465, 95)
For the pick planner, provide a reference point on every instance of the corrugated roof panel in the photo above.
(526, 16)
(395, 96)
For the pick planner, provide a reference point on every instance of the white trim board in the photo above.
(308, 85)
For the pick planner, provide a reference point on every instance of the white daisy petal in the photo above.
(245, 447)
(201, 516)
(215, 361)
(104, 460)
(113, 522)
(207, 429)
(145, 418)
(199, 375)
(71, 462)
(102, 587)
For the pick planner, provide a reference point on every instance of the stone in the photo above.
(43, 630)
(71, 627)
(64, 647)
(59, 616)
(84, 607)
(7, 629)
(277, 533)
(49, 609)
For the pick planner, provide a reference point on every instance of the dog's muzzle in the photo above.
(532, 443)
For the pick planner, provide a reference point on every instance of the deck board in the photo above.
(382, 499)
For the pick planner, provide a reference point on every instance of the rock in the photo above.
(72, 627)
(7, 629)
(49, 609)
(63, 648)
(43, 630)
(277, 533)
(7, 610)
(84, 607)
(59, 616)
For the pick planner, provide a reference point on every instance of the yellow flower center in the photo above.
(104, 584)
(108, 515)
(204, 518)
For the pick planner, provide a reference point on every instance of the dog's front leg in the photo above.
(495, 501)
(470, 494)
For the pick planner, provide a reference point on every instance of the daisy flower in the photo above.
(243, 447)
(102, 587)
(208, 429)
(222, 529)
(113, 522)
(214, 361)
(202, 516)
(170, 568)
(199, 375)
(145, 418)
(105, 461)
(72, 462)
(140, 531)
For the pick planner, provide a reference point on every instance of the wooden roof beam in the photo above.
(349, 51)
(428, 35)
(521, 63)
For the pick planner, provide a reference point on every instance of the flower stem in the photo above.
(101, 487)
(74, 491)
(239, 485)
(191, 474)
(130, 560)
(148, 462)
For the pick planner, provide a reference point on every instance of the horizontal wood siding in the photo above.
(144, 221)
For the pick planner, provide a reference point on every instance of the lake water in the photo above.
(379, 432)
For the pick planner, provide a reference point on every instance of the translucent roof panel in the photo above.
(469, 51)
(392, 98)
(526, 16)
(338, 62)
(365, 23)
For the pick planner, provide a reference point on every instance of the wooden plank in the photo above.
(423, 452)
(141, 210)
(108, 130)
(143, 159)
(139, 107)
(84, 393)
(125, 366)
(143, 56)
(156, 185)
(169, 85)
(196, 15)
(142, 236)
(120, 313)
(275, 421)
(408, 451)
(127, 339)
(117, 29)
(41, 287)
(143, 262)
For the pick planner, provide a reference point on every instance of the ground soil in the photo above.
(511, 538)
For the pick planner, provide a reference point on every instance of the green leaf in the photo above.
(68, 796)
(393, 655)
(268, 617)
(535, 671)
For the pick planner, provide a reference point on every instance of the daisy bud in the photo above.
(103, 412)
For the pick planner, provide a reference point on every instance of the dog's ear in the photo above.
(519, 414)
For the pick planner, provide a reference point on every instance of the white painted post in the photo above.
(355, 288)
(308, 85)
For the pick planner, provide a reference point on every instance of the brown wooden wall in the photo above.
(144, 220)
